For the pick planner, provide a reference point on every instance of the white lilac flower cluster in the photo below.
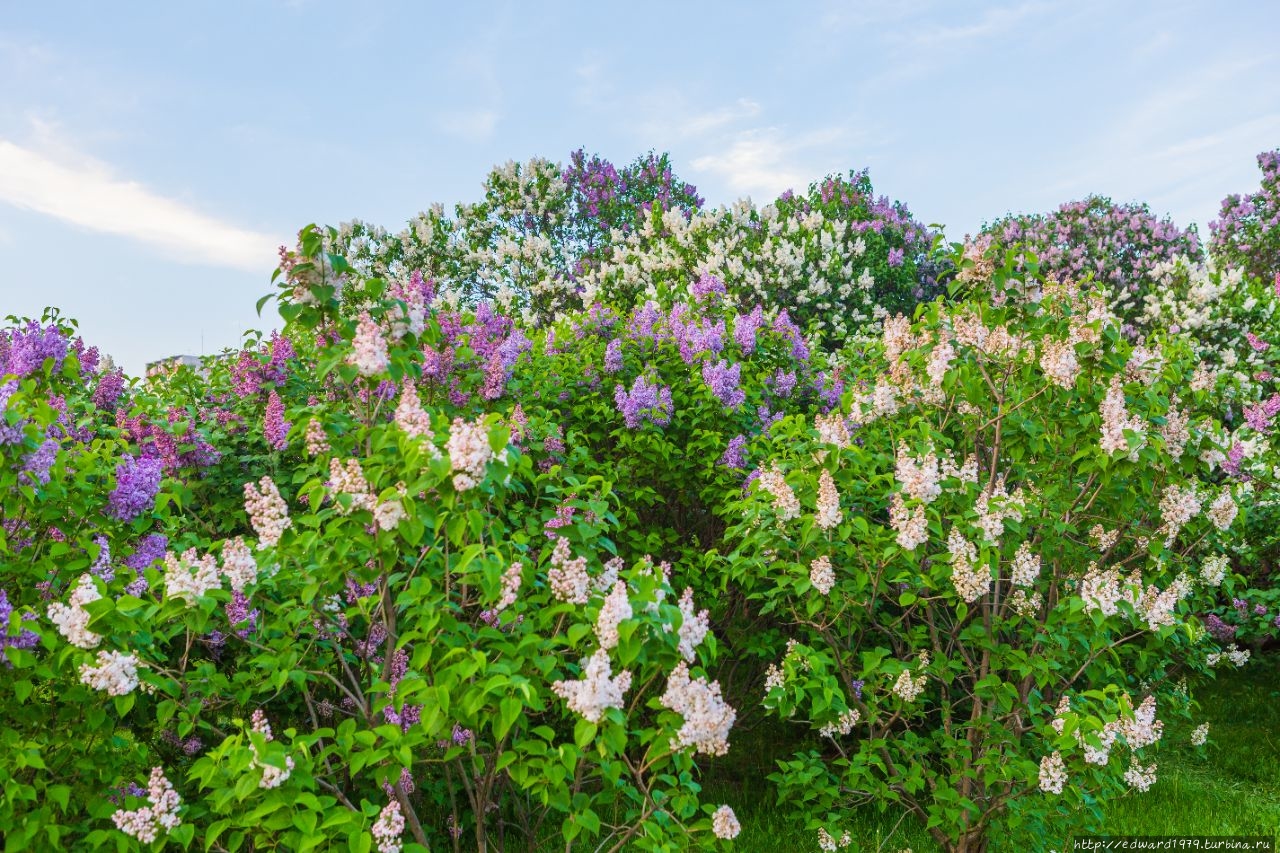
(1222, 512)
(317, 443)
(833, 429)
(707, 717)
(511, 580)
(828, 513)
(616, 608)
(911, 524)
(908, 689)
(568, 575)
(919, 476)
(272, 776)
(238, 564)
(1053, 773)
(971, 578)
(388, 828)
(189, 577)
(1140, 777)
(349, 479)
(116, 673)
(694, 625)
(1116, 420)
(469, 453)
(828, 843)
(785, 502)
(1059, 363)
(1214, 569)
(842, 725)
(1178, 506)
(412, 419)
(994, 506)
(368, 349)
(268, 513)
(597, 690)
(145, 823)
(821, 575)
(1200, 735)
(1236, 656)
(72, 620)
(724, 824)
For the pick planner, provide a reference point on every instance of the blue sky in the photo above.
(153, 155)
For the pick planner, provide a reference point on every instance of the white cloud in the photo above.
(79, 190)
(471, 125)
(763, 162)
(993, 22)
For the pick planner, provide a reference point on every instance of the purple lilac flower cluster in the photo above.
(24, 639)
(1246, 233)
(646, 401)
(137, 484)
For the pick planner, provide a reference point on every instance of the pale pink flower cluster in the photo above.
(568, 576)
(388, 514)
(368, 349)
(1116, 419)
(1140, 777)
(412, 419)
(918, 475)
(116, 673)
(1104, 540)
(694, 625)
(469, 453)
(724, 824)
(272, 776)
(908, 689)
(1100, 590)
(511, 580)
(843, 724)
(707, 717)
(616, 607)
(238, 564)
(994, 506)
(1176, 429)
(833, 429)
(1237, 656)
(939, 363)
(145, 823)
(1144, 365)
(828, 514)
(1026, 566)
(1058, 361)
(897, 337)
(1143, 729)
(1203, 379)
(268, 513)
(349, 480)
(188, 577)
(1158, 607)
(316, 441)
(1177, 507)
(971, 579)
(827, 843)
(966, 473)
(596, 691)
(388, 828)
(821, 575)
(72, 619)
(1222, 512)
(911, 524)
(609, 576)
(1053, 773)
(1101, 753)
(881, 401)
(1200, 735)
(1024, 604)
(785, 502)
(1060, 714)
(1214, 569)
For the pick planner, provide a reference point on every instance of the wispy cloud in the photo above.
(763, 162)
(993, 22)
(74, 188)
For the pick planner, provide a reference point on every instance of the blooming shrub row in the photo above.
(457, 558)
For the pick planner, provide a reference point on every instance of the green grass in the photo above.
(1232, 788)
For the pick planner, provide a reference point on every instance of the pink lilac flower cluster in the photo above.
(146, 823)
